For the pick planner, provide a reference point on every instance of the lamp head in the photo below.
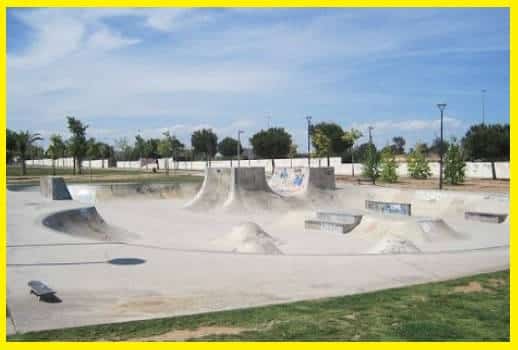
(441, 106)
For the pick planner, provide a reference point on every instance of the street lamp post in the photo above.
(239, 132)
(441, 107)
(308, 118)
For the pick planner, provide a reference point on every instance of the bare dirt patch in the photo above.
(184, 334)
(495, 283)
(471, 287)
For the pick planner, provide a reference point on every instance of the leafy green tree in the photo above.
(388, 166)
(93, 149)
(55, 150)
(106, 151)
(78, 145)
(205, 141)
(24, 142)
(371, 163)
(418, 166)
(123, 150)
(322, 144)
(335, 133)
(169, 145)
(360, 152)
(454, 165)
(487, 142)
(436, 146)
(272, 143)
(228, 147)
(398, 145)
(351, 137)
(139, 147)
(10, 145)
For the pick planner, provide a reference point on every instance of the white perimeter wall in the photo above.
(67, 163)
(473, 169)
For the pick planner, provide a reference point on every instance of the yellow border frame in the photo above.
(249, 3)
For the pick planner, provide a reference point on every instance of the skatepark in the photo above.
(118, 252)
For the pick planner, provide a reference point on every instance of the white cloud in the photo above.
(105, 39)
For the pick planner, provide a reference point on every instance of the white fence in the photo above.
(480, 170)
(473, 169)
(67, 163)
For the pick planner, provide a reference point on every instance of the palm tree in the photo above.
(56, 149)
(24, 142)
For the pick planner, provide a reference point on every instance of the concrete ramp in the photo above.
(235, 189)
(54, 187)
(86, 223)
(215, 189)
(302, 181)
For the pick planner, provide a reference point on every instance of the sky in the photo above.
(126, 71)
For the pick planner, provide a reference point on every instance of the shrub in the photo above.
(418, 166)
(371, 163)
(388, 166)
(454, 165)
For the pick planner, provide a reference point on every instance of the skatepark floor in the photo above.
(469, 309)
(203, 261)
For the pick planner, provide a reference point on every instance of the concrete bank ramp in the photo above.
(302, 181)
(236, 189)
(85, 223)
(417, 230)
(92, 193)
(54, 187)
(214, 190)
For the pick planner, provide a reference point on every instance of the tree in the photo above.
(322, 144)
(388, 166)
(487, 142)
(228, 147)
(418, 166)
(454, 164)
(398, 145)
(10, 145)
(139, 148)
(55, 150)
(205, 141)
(106, 152)
(272, 143)
(169, 145)
(351, 137)
(123, 150)
(371, 163)
(361, 151)
(24, 142)
(77, 141)
(334, 132)
(436, 146)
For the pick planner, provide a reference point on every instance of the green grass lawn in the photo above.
(473, 308)
(110, 175)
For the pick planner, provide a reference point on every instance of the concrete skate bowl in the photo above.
(237, 190)
(23, 188)
(91, 193)
(85, 223)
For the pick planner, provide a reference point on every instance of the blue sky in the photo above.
(124, 70)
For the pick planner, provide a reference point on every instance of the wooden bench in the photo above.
(41, 290)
